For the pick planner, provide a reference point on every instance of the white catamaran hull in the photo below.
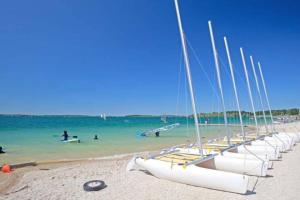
(291, 140)
(285, 136)
(233, 164)
(272, 154)
(285, 141)
(228, 154)
(290, 135)
(264, 158)
(241, 166)
(271, 144)
(194, 175)
(297, 134)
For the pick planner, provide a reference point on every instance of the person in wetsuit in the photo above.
(143, 134)
(65, 135)
(157, 134)
(96, 137)
(1, 151)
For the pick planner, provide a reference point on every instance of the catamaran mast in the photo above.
(234, 88)
(219, 78)
(249, 89)
(188, 73)
(266, 94)
(259, 94)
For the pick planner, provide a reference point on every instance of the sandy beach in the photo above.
(65, 181)
(149, 100)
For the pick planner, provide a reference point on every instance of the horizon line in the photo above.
(126, 115)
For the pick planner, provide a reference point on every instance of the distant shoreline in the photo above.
(277, 112)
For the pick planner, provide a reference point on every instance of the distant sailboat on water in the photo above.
(164, 118)
(157, 131)
(103, 116)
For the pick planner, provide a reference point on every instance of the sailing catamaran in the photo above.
(286, 143)
(163, 118)
(247, 144)
(103, 116)
(228, 149)
(242, 165)
(291, 135)
(194, 169)
(157, 131)
(225, 147)
(211, 165)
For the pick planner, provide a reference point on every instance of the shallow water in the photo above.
(32, 138)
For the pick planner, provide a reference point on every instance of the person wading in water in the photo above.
(65, 135)
(1, 151)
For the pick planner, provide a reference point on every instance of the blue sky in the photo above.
(124, 57)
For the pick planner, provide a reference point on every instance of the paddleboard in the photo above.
(73, 140)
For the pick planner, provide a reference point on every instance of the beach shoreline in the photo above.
(38, 138)
(8, 181)
(64, 180)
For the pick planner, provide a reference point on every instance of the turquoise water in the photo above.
(31, 138)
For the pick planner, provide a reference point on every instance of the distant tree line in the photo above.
(235, 113)
(292, 111)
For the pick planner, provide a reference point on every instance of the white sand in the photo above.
(67, 182)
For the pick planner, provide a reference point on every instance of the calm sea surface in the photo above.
(32, 138)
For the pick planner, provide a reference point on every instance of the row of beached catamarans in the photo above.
(221, 164)
(218, 165)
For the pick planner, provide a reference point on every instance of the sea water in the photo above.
(38, 138)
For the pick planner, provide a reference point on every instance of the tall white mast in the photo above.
(187, 66)
(219, 78)
(249, 89)
(259, 94)
(266, 94)
(234, 87)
